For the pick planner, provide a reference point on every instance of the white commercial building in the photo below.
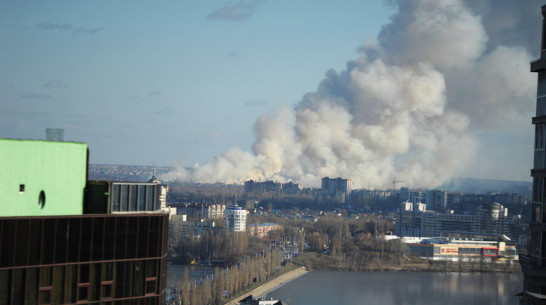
(235, 219)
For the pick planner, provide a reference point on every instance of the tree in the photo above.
(186, 287)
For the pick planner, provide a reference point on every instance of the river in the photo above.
(401, 288)
(175, 273)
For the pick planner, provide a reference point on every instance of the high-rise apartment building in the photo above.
(235, 219)
(436, 200)
(534, 264)
(292, 188)
(335, 186)
(252, 186)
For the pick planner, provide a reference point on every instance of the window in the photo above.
(44, 295)
(141, 198)
(41, 199)
(124, 198)
(83, 283)
(133, 196)
(45, 286)
(151, 285)
(106, 289)
(539, 137)
(83, 292)
(116, 198)
(489, 252)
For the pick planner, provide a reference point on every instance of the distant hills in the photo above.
(115, 172)
(476, 185)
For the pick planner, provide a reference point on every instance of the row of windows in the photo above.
(538, 189)
(540, 141)
(470, 250)
(539, 197)
(40, 241)
(81, 283)
(135, 197)
(490, 252)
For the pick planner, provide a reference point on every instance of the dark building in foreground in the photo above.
(83, 259)
(534, 264)
(55, 250)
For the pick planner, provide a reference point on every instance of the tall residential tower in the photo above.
(534, 264)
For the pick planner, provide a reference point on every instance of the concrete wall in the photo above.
(58, 169)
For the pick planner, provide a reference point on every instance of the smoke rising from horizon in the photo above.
(409, 106)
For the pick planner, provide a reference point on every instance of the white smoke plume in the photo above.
(407, 107)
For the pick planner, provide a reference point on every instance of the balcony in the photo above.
(538, 65)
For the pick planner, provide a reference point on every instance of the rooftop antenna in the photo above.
(154, 178)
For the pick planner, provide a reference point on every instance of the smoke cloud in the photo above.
(408, 107)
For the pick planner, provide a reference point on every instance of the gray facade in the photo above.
(120, 197)
(130, 197)
(436, 200)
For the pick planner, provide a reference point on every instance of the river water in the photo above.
(401, 288)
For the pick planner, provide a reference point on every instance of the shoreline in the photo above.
(315, 261)
(432, 267)
(272, 284)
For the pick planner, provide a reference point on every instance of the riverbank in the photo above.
(314, 261)
(272, 284)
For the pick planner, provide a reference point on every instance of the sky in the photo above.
(181, 82)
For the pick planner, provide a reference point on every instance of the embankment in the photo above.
(314, 261)
(272, 284)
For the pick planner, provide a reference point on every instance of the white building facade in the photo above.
(235, 219)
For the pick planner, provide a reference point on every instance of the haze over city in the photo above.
(424, 90)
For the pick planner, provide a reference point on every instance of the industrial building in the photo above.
(534, 264)
(51, 252)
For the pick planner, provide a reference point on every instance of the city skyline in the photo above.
(182, 83)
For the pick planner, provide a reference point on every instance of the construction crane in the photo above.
(394, 182)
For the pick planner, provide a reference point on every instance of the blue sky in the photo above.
(172, 81)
